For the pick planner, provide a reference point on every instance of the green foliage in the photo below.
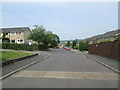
(53, 44)
(5, 45)
(68, 43)
(40, 35)
(106, 40)
(73, 44)
(16, 46)
(7, 55)
(76, 47)
(83, 46)
(42, 47)
(117, 38)
(70, 46)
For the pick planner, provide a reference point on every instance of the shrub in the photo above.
(83, 46)
(76, 47)
(106, 40)
(70, 46)
(34, 46)
(5, 45)
(42, 47)
(117, 38)
(16, 46)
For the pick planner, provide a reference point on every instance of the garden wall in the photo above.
(106, 49)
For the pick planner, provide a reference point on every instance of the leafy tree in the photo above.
(38, 34)
(43, 37)
(73, 44)
(68, 43)
(83, 46)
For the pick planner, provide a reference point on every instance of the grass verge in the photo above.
(7, 55)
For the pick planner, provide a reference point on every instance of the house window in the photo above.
(6, 33)
(13, 40)
(21, 40)
(13, 33)
(19, 33)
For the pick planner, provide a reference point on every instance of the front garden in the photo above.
(8, 55)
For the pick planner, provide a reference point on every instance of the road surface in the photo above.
(63, 69)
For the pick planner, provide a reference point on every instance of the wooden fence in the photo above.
(106, 49)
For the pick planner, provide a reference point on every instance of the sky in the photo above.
(69, 20)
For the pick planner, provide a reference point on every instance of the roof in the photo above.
(107, 34)
(15, 29)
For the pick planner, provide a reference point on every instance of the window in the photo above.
(13, 40)
(13, 33)
(19, 33)
(6, 33)
(21, 40)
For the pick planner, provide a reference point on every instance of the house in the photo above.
(111, 35)
(16, 35)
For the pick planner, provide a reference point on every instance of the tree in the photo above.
(73, 44)
(41, 36)
(83, 46)
(38, 34)
(68, 43)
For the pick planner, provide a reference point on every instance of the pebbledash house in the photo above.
(16, 34)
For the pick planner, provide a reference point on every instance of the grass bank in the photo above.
(7, 55)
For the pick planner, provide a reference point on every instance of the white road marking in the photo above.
(67, 75)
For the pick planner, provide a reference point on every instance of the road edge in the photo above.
(106, 65)
(17, 59)
(17, 70)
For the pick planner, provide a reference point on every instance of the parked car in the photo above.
(67, 48)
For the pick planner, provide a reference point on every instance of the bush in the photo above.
(106, 40)
(5, 45)
(83, 46)
(42, 47)
(117, 38)
(16, 46)
(76, 47)
(34, 46)
(70, 46)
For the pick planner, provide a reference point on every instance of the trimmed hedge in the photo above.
(83, 46)
(16, 46)
(76, 47)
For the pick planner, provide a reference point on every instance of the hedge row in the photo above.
(25, 47)
(83, 46)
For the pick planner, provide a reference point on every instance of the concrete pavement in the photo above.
(14, 66)
(112, 63)
(63, 69)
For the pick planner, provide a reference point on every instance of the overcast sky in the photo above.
(69, 20)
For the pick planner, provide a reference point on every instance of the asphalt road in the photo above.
(63, 69)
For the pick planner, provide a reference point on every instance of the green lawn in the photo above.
(7, 55)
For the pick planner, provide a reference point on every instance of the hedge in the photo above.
(16, 46)
(83, 46)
